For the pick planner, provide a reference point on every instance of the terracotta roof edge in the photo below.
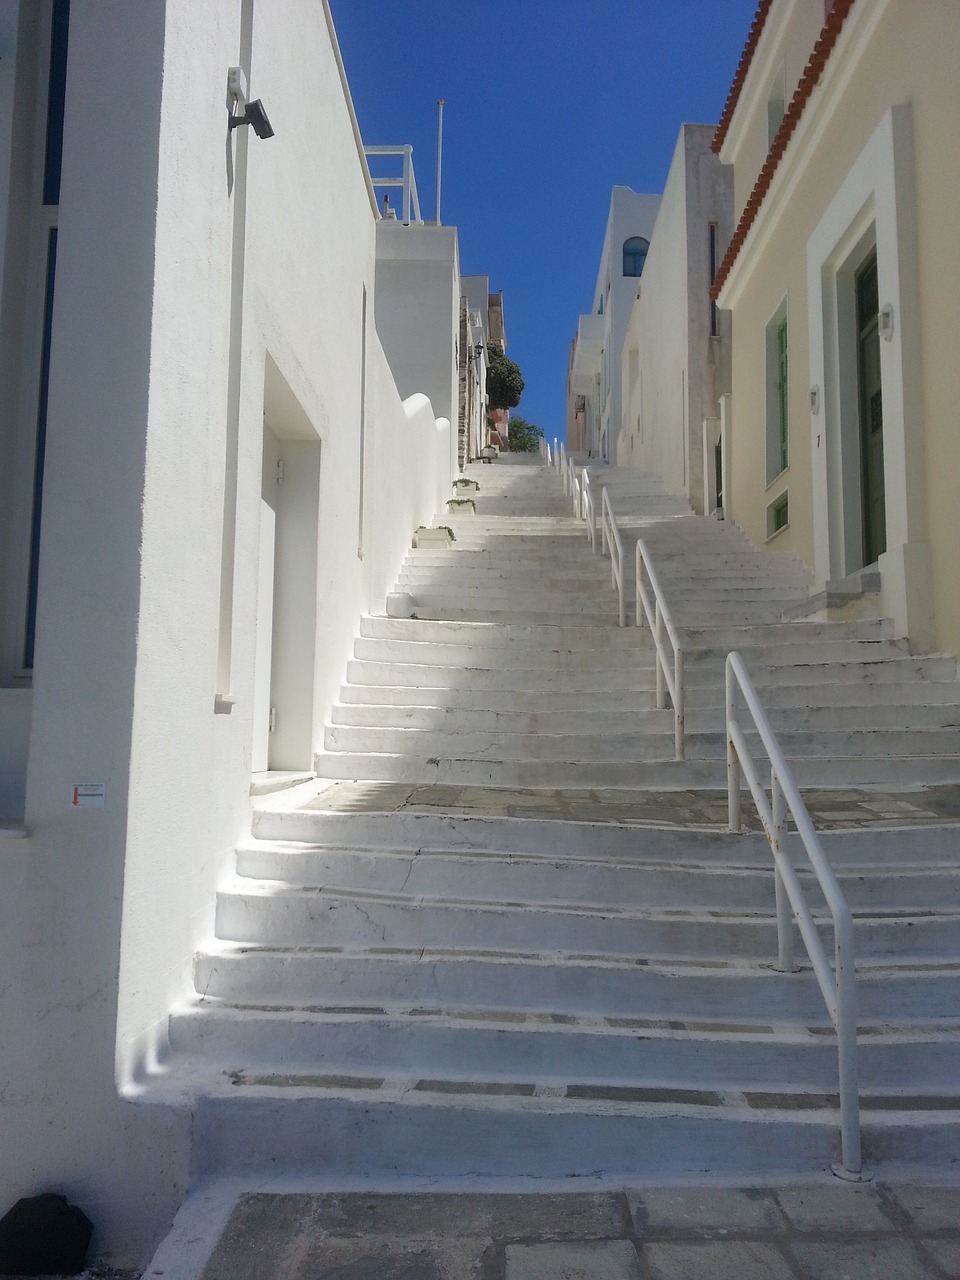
(740, 75)
(809, 79)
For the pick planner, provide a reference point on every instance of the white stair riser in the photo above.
(481, 635)
(428, 676)
(429, 1137)
(537, 881)
(444, 832)
(789, 651)
(308, 918)
(698, 719)
(460, 981)
(421, 1046)
(665, 775)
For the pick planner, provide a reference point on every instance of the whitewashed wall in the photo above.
(101, 909)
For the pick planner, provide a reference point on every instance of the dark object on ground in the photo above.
(44, 1235)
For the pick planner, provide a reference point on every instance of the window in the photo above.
(775, 107)
(714, 328)
(634, 255)
(778, 435)
(778, 514)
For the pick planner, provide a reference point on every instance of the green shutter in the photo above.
(782, 388)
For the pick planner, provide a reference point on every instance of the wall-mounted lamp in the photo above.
(886, 322)
(478, 350)
(253, 113)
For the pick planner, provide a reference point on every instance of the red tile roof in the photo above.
(743, 66)
(812, 72)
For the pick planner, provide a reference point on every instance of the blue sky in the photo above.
(548, 104)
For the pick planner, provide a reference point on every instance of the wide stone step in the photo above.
(789, 650)
(527, 879)
(871, 629)
(618, 720)
(651, 745)
(656, 775)
(637, 675)
(489, 635)
(548, 655)
(420, 1043)
(513, 1130)
(597, 605)
(651, 993)
(254, 911)
(494, 699)
(897, 847)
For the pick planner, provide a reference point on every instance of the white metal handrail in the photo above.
(564, 471)
(669, 661)
(837, 984)
(573, 487)
(610, 538)
(588, 510)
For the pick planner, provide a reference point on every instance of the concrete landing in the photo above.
(819, 1231)
(830, 810)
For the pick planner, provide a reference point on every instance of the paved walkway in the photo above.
(830, 810)
(827, 1231)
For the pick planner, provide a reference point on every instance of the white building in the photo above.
(595, 367)
(676, 354)
(475, 337)
(207, 472)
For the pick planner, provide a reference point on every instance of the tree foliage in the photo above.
(523, 436)
(504, 380)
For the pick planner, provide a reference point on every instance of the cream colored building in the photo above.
(842, 129)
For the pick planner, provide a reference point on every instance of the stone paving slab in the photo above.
(596, 1260)
(830, 810)
(824, 1231)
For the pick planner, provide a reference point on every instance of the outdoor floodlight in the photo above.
(253, 113)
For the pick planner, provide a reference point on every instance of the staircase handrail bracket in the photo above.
(669, 662)
(610, 539)
(837, 983)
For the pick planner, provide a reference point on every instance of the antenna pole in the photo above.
(439, 152)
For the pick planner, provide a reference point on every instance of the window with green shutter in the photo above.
(782, 389)
(777, 393)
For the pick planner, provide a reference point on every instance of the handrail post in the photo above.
(678, 703)
(638, 562)
(784, 914)
(658, 620)
(733, 760)
(851, 1168)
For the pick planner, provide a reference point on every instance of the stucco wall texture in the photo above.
(181, 318)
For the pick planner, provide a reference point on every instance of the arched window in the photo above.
(634, 255)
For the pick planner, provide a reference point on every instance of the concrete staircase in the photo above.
(424, 997)
(513, 671)
(440, 997)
